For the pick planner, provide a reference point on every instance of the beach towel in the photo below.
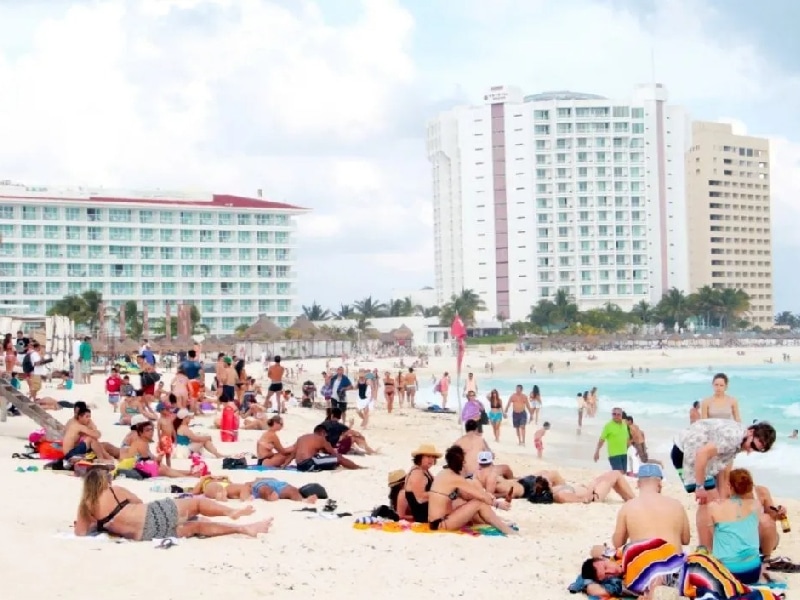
(644, 561)
(705, 578)
(439, 410)
(268, 468)
(403, 526)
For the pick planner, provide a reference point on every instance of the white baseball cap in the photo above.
(485, 458)
(138, 420)
(182, 413)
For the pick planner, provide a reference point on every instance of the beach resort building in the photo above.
(232, 257)
(562, 190)
(728, 210)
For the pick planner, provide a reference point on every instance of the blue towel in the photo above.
(268, 468)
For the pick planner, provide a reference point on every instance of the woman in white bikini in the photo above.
(536, 404)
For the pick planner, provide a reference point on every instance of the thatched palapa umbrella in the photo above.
(263, 329)
(303, 327)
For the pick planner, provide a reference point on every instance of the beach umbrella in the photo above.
(263, 329)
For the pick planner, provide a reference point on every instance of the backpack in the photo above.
(27, 364)
(20, 345)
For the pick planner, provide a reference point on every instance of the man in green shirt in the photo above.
(618, 437)
(85, 360)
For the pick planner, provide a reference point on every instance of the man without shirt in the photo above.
(489, 474)
(473, 444)
(315, 445)
(275, 375)
(521, 408)
(651, 515)
(81, 437)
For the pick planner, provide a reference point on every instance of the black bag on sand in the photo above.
(233, 464)
(313, 489)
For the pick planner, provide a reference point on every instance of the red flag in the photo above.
(459, 332)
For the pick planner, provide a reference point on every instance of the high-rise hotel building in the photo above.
(728, 210)
(232, 257)
(533, 194)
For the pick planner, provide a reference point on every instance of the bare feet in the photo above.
(243, 512)
(311, 499)
(253, 529)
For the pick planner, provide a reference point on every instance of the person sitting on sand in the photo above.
(341, 437)
(82, 437)
(134, 405)
(418, 482)
(454, 501)
(314, 453)
(185, 437)
(269, 450)
(108, 508)
(397, 496)
(473, 443)
(137, 455)
(651, 514)
(488, 473)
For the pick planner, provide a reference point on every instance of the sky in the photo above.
(323, 104)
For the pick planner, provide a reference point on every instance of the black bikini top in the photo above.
(101, 523)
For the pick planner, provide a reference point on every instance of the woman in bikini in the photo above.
(112, 509)
(269, 450)
(721, 406)
(536, 404)
(596, 490)
(388, 391)
(401, 388)
(132, 406)
(180, 387)
(455, 502)
(137, 453)
(495, 413)
(186, 438)
(10, 354)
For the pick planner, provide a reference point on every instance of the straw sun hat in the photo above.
(426, 450)
(396, 476)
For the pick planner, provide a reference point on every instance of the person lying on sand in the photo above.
(105, 508)
(314, 453)
(549, 486)
(454, 501)
(222, 489)
(269, 450)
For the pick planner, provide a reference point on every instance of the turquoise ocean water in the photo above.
(660, 401)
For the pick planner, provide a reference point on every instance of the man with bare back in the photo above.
(521, 408)
(275, 375)
(313, 452)
(473, 444)
(82, 437)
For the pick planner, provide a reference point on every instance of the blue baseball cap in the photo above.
(650, 470)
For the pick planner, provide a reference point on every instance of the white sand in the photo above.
(306, 557)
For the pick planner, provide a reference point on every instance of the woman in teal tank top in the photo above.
(735, 521)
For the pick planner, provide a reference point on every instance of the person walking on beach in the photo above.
(581, 407)
(536, 404)
(707, 448)
(638, 442)
(617, 435)
(521, 408)
(470, 385)
(85, 360)
(444, 388)
(275, 375)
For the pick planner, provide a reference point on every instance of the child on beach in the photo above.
(166, 430)
(113, 387)
(537, 438)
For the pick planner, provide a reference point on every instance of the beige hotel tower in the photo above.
(728, 214)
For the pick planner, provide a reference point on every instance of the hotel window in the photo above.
(281, 220)
(168, 271)
(226, 271)
(167, 235)
(52, 288)
(225, 253)
(226, 288)
(76, 271)
(119, 215)
(94, 233)
(207, 306)
(73, 214)
(206, 253)
(187, 218)
(264, 219)
(168, 289)
(74, 251)
(30, 251)
(96, 251)
(206, 271)
(244, 237)
(541, 129)
(30, 231)
(265, 271)
(96, 270)
(94, 214)
(209, 289)
(166, 217)
(637, 128)
(148, 271)
(73, 232)
(147, 252)
(541, 115)
(284, 306)
(245, 305)
(224, 219)
(245, 254)
(187, 253)
(187, 271)
(243, 219)
(281, 272)
(148, 288)
(245, 287)
(29, 213)
(205, 218)
(227, 324)
(245, 271)
(206, 236)
(6, 213)
(264, 306)
(187, 235)
(637, 113)
(147, 235)
(31, 288)
(51, 232)
(121, 234)
(50, 213)
(75, 287)
(146, 216)
(227, 306)
(167, 253)
(52, 251)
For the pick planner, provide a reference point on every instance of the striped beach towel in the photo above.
(706, 578)
(645, 561)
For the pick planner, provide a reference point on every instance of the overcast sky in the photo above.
(323, 104)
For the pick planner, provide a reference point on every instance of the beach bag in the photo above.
(233, 464)
(484, 418)
(325, 463)
(147, 468)
(313, 489)
(27, 364)
(49, 450)
(437, 389)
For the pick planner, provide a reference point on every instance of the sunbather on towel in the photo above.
(549, 486)
(115, 510)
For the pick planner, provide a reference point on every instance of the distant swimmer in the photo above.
(794, 435)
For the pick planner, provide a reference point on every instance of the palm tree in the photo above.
(134, 320)
(673, 307)
(431, 311)
(240, 329)
(733, 304)
(643, 311)
(705, 302)
(346, 311)
(403, 308)
(566, 309)
(465, 304)
(786, 319)
(315, 312)
(370, 309)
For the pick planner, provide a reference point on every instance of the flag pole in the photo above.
(458, 382)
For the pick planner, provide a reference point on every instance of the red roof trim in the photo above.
(218, 201)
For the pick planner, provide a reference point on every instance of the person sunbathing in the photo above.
(82, 437)
(314, 453)
(272, 490)
(454, 501)
(489, 474)
(550, 486)
(106, 508)
(269, 450)
(136, 454)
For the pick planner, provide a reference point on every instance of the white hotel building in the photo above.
(560, 191)
(232, 257)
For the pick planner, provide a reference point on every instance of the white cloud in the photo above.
(240, 95)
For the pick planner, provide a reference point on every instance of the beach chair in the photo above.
(8, 394)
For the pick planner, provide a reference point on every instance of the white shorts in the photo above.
(363, 403)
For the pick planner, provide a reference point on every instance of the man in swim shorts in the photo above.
(275, 375)
(273, 489)
(81, 436)
(313, 452)
(521, 408)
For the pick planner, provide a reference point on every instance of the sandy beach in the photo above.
(307, 556)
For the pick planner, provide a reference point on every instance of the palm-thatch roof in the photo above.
(263, 329)
(126, 346)
(303, 325)
(402, 333)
